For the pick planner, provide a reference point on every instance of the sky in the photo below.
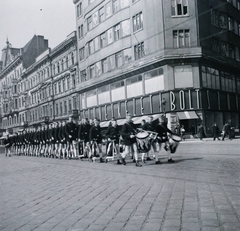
(21, 19)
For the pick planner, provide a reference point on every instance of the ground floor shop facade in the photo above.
(188, 93)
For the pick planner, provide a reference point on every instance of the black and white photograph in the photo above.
(120, 115)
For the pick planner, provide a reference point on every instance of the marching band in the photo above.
(72, 140)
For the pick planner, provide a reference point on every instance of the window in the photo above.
(62, 65)
(134, 79)
(223, 21)
(215, 45)
(101, 14)
(183, 76)
(92, 71)
(116, 6)
(79, 9)
(67, 62)
(137, 22)
(118, 91)
(210, 78)
(80, 31)
(132, 84)
(179, 7)
(70, 105)
(65, 107)
(117, 32)
(83, 76)
(104, 65)
(81, 54)
(59, 87)
(139, 50)
(230, 24)
(68, 83)
(214, 17)
(89, 23)
(103, 41)
(181, 38)
(72, 57)
(61, 108)
(119, 60)
(154, 81)
(90, 47)
(64, 85)
(56, 109)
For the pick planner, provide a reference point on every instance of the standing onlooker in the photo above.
(8, 145)
(177, 129)
(182, 132)
(201, 132)
(226, 130)
(215, 131)
(192, 130)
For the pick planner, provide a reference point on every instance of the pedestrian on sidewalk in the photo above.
(215, 131)
(8, 145)
(226, 130)
(182, 131)
(201, 132)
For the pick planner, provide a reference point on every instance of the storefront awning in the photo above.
(187, 115)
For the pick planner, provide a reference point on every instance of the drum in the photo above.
(175, 137)
(143, 142)
(173, 140)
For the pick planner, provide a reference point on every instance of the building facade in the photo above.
(40, 87)
(177, 57)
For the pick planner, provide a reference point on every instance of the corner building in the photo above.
(179, 57)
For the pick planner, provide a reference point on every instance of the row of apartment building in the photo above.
(177, 57)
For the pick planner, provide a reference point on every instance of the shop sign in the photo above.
(183, 100)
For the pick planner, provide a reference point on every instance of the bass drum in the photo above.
(173, 140)
(143, 142)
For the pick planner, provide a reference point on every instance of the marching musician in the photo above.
(8, 145)
(62, 137)
(145, 126)
(57, 140)
(128, 134)
(113, 134)
(96, 136)
(83, 134)
(70, 131)
(162, 131)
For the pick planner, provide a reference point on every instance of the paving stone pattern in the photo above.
(200, 191)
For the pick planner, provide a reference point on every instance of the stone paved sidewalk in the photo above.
(200, 191)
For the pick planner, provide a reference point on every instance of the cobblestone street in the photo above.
(200, 191)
